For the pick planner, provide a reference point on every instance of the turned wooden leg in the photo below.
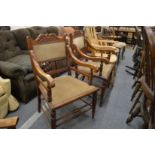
(39, 100)
(53, 119)
(94, 104)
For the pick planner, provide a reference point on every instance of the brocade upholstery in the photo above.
(79, 42)
(52, 51)
(73, 89)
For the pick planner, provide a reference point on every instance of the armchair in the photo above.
(105, 66)
(58, 92)
(92, 37)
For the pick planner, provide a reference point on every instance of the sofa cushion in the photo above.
(36, 30)
(23, 61)
(53, 29)
(20, 35)
(8, 45)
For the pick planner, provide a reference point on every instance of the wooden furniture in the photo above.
(83, 63)
(60, 91)
(9, 123)
(144, 103)
(90, 33)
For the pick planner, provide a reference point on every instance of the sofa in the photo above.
(15, 62)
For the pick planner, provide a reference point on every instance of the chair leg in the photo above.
(118, 56)
(53, 119)
(94, 104)
(39, 100)
(101, 96)
(123, 51)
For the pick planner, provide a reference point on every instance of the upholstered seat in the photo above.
(68, 89)
(106, 71)
(113, 57)
(119, 44)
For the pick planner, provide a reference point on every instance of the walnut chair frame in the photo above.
(49, 87)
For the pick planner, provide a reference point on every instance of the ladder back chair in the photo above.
(60, 91)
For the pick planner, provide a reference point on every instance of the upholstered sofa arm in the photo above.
(11, 70)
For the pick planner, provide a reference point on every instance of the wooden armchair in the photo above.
(83, 64)
(60, 91)
(92, 37)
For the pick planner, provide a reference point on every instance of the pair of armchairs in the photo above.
(45, 52)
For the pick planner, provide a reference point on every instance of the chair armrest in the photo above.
(11, 70)
(81, 63)
(9, 122)
(101, 48)
(93, 58)
(40, 73)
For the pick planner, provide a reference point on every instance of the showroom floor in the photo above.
(112, 115)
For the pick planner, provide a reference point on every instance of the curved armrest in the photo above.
(81, 63)
(37, 69)
(107, 41)
(101, 48)
(11, 70)
(93, 58)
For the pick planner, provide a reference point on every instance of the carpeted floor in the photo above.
(112, 115)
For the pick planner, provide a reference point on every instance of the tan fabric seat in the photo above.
(107, 69)
(68, 89)
(113, 57)
(119, 45)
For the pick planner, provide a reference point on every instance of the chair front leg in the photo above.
(94, 104)
(39, 100)
(53, 119)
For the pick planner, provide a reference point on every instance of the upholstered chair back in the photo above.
(50, 51)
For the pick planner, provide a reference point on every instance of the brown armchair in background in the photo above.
(61, 91)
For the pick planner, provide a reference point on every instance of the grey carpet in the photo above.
(112, 115)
